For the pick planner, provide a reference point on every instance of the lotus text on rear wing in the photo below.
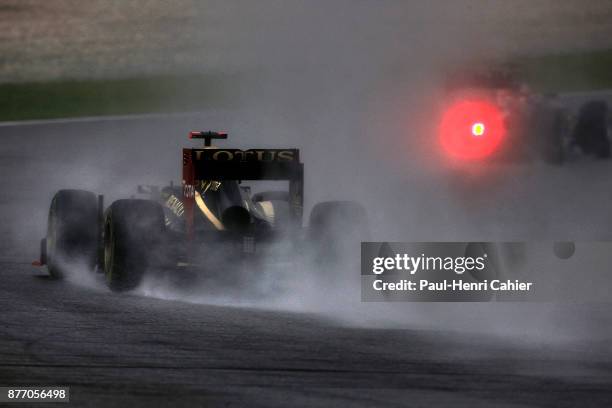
(269, 155)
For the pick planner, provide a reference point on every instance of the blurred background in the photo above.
(154, 55)
(354, 84)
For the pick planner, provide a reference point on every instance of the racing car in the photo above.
(210, 221)
(492, 116)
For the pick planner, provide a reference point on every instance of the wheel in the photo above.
(336, 229)
(72, 231)
(132, 233)
(271, 196)
(591, 131)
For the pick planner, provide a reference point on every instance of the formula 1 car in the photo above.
(491, 116)
(209, 222)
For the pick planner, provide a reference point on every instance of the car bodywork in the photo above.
(212, 207)
(210, 221)
(526, 125)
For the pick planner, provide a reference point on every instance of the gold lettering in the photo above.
(217, 155)
(175, 205)
(245, 155)
(285, 155)
(262, 157)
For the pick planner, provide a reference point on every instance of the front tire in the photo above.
(132, 233)
(72, 231)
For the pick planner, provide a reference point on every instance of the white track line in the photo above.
(86, 119)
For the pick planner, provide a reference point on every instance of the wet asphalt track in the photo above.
(136, 351)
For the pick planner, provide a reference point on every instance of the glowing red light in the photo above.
(478, 129)
(472, 129)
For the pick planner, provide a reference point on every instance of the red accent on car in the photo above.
(472, 129)
(200, 134)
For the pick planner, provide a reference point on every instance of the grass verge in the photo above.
(75, 98)
(585, 71)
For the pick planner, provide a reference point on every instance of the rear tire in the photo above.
(336, 229)
(133, 230)
(591, 130)
(72, 231)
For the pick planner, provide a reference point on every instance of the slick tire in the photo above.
(590, 132)
(336, 229)
(72, 232)
(133, 230)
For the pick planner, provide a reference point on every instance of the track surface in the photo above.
(135, 351)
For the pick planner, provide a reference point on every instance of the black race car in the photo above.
(209, 222)
(491, 116)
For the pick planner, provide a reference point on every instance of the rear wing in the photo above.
(236, 164)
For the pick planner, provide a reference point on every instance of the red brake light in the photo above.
(472, 129)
